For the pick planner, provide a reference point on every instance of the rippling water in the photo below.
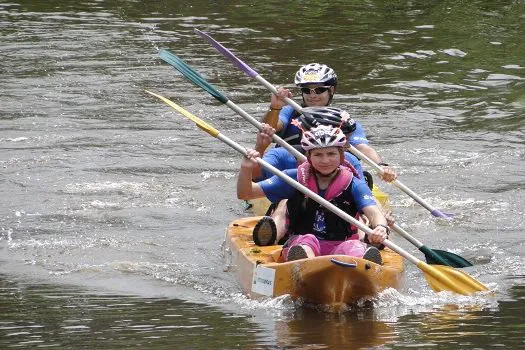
(113, 207)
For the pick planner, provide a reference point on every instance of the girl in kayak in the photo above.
(315, 230)
(270, 229)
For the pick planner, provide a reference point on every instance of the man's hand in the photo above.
(264, 138)
(277, 101)
(388, 174)
(248, 161)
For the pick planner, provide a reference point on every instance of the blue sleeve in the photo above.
(277, 189)
(358, 137)
(285, 116)
(280, 158)
(355, 162)
(361, 194)
(271, 156)
(289, 132)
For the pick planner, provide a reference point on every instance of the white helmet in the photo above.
(315, 73)
(323, 136)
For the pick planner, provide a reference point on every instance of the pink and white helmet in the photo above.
(323, 136)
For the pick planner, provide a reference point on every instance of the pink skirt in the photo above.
(351, 247)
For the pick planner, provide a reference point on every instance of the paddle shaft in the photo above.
(298, 155)
(406, 235)
(177, 63)
(252, 73)
(355, 151)
(439, 277)
(361, 155)
(432, 256)
(215, 133)
(197, 79)
(345, 216)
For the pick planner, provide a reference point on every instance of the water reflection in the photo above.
(316, 329)
(453, 327)
(66, 317)
(61, 316)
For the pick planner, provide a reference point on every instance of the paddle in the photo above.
(197, 79)
(432, 256)
(440, 278)
(252, 73)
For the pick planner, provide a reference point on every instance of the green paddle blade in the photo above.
(192, 75)
(441, 257)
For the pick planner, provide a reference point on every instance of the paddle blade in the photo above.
(445, 278)
(439, 214)
(441, 257)
(200, 123)
(228, 54)
(190, 74)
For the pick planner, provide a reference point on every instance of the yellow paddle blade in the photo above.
(200, 123)
(443, 278)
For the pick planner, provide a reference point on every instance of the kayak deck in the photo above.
(333, 280)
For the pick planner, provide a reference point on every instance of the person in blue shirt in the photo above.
(280, 158)
(274, 227)
(317, 83)
(315, 230)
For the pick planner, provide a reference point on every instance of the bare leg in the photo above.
(280, 218)
(270, 229)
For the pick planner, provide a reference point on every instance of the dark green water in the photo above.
(113, 207)
(42, 315)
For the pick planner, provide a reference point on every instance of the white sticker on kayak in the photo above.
(263, 280)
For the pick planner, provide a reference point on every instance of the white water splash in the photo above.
(454, 52)
(217, 175)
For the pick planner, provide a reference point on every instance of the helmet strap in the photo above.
(318, 174)
(330, 100)
(303, 105)
(331, 96)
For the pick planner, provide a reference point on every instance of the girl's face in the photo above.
(313, 97)
(325, 160)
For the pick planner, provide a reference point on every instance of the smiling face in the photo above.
(325, 160)
(313, 99)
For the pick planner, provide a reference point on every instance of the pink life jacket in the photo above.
(306, 177)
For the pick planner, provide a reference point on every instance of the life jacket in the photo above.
(302, 210)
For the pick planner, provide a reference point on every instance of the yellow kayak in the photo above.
(332, 280)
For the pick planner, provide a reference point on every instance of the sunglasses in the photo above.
(318, 90)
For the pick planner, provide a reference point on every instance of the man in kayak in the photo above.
(316, 230)
(310, 117)
(318, 84)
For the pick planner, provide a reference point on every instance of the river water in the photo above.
(113, 207)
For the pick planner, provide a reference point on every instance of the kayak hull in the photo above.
(333, 281)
